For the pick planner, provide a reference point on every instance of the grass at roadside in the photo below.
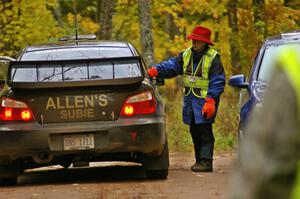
(180, 139)
(225, 142)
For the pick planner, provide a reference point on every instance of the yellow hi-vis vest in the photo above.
(197, 81)
(290, 64)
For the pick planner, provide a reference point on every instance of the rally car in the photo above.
(78, 102)
(261, 72)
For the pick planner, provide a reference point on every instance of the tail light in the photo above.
(140, 104)
(13, 110)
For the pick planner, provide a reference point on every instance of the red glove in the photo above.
(152, 72)
(209, 108)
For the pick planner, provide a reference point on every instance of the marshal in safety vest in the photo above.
(197, 81)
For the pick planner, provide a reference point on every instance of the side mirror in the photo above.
(238, 81)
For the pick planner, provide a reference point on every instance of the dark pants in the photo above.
(203, 139)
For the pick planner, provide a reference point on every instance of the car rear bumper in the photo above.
(146, 135)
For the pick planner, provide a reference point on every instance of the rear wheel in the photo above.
(8, 181)
(157, 167)
(9, 173)
(157, 174)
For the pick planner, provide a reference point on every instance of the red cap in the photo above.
(202, 34)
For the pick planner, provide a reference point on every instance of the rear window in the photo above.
(72, 53)
(61, 71)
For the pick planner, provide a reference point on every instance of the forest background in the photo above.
(158, 29)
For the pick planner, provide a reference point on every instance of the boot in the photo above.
(204, 165)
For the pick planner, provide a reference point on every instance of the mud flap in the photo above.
(9, 173)
(157, 166)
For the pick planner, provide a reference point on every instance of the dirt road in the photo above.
(111, 181)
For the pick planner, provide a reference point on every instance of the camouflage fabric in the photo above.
(268, 156)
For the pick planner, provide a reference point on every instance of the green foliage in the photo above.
(180, 138)
(224, 142)
(25, 22)
(226, 124)
(86, 16)
(279, 18)
(85, 25)
(178, 133)
(126, 22)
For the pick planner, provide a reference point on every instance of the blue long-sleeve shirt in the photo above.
(192, 104)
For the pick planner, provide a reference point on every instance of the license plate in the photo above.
(79, 141)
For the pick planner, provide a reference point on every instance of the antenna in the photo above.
(76, 24)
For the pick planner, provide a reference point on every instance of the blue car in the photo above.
(252, 91)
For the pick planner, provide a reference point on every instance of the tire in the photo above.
(9, 173)
(157, 174)
(157, 167)
(8, 181)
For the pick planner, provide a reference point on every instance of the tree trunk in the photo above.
(294, 4)
(105, 11)
(58, 14)
(259, 14)
(286, 2)
(146, 30)
(171, 27)
(172, 31)
(218, 21)
(233, 40)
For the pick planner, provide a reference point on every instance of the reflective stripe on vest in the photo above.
(290, 64)
(198, 85)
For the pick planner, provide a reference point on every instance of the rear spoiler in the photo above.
(83, 83)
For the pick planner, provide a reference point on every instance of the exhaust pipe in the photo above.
(43, 157)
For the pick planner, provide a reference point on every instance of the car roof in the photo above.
(72, 44)
(289, 37)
